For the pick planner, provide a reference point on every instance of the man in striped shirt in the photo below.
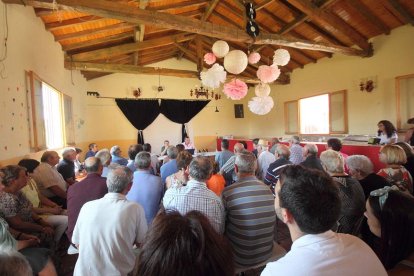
(250, 215)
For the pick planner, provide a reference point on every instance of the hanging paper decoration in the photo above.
(281, 57)
(220, 48)
(261, 105)
(210, 58)
(214, 76)
(262, 90)
(235, 89)
(235, 62)
(267, 74)
(254, 58)
(252, 28)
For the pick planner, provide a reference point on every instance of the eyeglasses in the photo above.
(383, 194)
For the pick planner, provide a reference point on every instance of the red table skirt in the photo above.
(370, 151)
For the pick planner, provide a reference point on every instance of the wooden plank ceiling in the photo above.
(101, 37)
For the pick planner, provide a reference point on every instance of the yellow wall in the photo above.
(393, 56)
(30, 47)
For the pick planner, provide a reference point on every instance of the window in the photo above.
(50, 115)
(404, 89)
(314, 113)
(322, 114)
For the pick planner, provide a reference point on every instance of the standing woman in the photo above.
(387, 132)
(409, 135)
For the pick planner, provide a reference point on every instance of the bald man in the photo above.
(92, 187)
(49, 181)
(227, 170)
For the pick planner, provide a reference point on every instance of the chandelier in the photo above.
(204, 92)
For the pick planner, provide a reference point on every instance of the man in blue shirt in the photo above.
(116, 156)
(223, 156)
(147, 189)
(171, 166)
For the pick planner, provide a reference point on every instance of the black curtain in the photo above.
(140, 113)
(181, 111)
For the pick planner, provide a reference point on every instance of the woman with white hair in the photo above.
(350, 193)
(362, 169)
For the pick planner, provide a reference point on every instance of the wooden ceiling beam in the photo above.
(92, 42)
(131, 47)
(130, 69)
(156, 58)
(105, 29)
(397, 9)
(332, 23)
(133, 69)
(174, 6)
(209, 10)
(124, 12)
(263, 5)
(375, 21)
(163, 50)
(74, 22)
(199, 52)
(184, 50)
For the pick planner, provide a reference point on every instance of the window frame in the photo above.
(398, 100)
(37, 140)
(330, 94)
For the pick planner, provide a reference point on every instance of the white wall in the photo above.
(30, 47)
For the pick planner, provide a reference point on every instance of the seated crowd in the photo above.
(175, 214)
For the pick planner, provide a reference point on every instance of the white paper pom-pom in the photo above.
(262, 90)
(235, 62)
(261, 105)
(281, 57)
(213, 76)
(220, 48)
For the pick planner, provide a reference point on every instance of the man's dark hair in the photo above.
(133, 150)
(225, 144)
(311, 197)
(29, 164)
(146, 147)
(255, 141)
(335, 144)
(184, 159)
(200, 168)
(184, 245)
(180, 147)
(91, 146)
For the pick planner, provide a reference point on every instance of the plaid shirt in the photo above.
(196, 196)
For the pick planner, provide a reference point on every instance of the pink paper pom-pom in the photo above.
(209, 58)
(235, 89)
(254, 58)
(268, 74)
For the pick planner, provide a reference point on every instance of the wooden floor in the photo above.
(66, 263)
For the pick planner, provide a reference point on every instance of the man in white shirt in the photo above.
(49, 181)
(264, 158)
(188, 144)
(107, 229)
(307, 201)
